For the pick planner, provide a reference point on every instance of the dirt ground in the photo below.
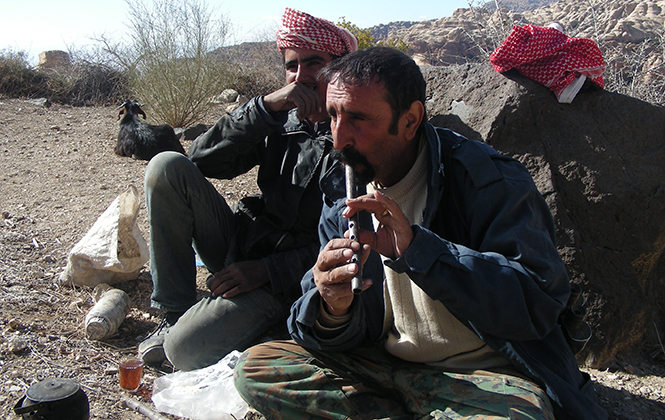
(59, 174)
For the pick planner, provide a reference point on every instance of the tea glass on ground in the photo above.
(130, 372)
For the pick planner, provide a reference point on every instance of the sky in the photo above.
(33, 26)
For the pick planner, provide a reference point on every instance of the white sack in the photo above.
(113, 250)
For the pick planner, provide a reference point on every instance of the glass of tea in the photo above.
(130, 372)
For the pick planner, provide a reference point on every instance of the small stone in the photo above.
(111, 370)
(17, 344)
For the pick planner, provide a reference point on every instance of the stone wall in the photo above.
(53, 60)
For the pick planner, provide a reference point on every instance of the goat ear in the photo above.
(121, 112)
(142, 113)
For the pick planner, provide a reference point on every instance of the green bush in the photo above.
(167, 58)
(366, 40)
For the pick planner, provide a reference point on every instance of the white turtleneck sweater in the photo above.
(420, 329)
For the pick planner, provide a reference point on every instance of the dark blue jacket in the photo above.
(486, 248)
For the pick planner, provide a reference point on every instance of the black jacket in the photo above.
(279, 225)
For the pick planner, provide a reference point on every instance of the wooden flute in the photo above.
(352, 192)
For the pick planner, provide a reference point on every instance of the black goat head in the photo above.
(131, 107)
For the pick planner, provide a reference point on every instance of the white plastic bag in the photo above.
(113, 250)
(202, 394)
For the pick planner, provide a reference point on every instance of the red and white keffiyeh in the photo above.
(301, 30)
(549, 57)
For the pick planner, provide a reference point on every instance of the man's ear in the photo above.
(411, 119)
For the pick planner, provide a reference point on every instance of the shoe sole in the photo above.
(153, 355)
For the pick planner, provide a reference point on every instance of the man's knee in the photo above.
(239, 373)
(162, 166)
(245, 376)
(187, 347)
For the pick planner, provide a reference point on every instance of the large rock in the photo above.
(600, 164)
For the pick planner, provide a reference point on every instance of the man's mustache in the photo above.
(363, 169)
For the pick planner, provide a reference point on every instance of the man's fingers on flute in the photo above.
(341, 274)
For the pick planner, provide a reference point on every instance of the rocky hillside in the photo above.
(628, 32)
(470, 33)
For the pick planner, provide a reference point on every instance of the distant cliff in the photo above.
(470, 34)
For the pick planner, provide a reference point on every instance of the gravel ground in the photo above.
(59, 174)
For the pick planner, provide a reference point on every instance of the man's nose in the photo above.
(342, 136)
(302, 74)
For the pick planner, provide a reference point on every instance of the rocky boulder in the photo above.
(599, 163)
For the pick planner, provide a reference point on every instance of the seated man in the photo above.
(258, 253)
(462, 282)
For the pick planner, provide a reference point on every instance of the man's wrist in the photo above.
(328, 317)
(328, 325)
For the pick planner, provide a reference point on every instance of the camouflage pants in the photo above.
(285, 381)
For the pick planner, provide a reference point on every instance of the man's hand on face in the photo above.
(333, 272)
(294, 95)
(394, 235)
(239, 278)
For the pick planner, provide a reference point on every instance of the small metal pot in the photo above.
(54, 399)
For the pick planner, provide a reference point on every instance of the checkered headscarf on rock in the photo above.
(301, 30)
(549, 56)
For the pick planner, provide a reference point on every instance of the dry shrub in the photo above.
(252, 81)
(18, 79)
(167, 56)
(84, 82)
(493, 23)
(96, 84)
(257, 67)
(637, 70)
(87, 84)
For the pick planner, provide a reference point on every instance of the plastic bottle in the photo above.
(108, 313)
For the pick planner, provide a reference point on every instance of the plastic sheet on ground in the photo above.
(202, 394)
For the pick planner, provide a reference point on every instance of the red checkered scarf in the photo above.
(549, 56)
(300, 30)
